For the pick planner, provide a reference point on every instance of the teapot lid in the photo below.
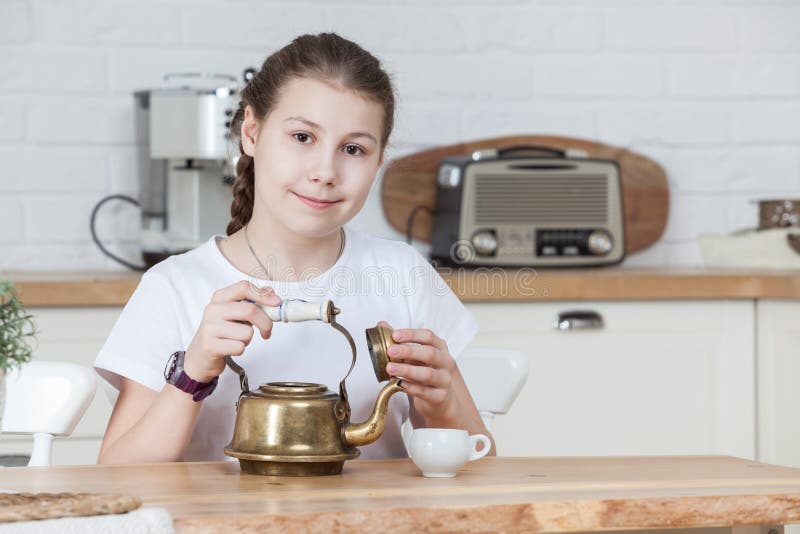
(292, 389)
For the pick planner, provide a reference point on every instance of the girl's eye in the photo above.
(302, 137)
(354, 150)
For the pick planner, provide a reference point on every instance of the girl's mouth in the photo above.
(315, 203)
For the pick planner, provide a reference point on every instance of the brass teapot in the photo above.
(302, 428)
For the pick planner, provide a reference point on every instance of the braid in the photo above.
(243, 194)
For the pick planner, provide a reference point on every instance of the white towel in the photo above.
(139, 521)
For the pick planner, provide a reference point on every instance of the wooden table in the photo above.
(492, 494)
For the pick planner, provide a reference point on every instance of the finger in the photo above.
(420, 374)
(229, 347)
(243, 290)
(239, 312)
(384, 323)
(232, 331)
(424, 354)
(249, 313)
(426, 393)
(238, 291)
(419, 335)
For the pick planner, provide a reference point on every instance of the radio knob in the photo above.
(600, 242)
(449, 176)
(485, 243)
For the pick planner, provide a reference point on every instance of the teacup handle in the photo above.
(473, 442)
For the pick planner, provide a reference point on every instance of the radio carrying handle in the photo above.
(541, 148)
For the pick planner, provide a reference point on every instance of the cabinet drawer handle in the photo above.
(578, 320)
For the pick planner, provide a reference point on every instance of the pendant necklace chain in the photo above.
(267, 274)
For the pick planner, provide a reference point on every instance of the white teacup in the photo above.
(440, 452)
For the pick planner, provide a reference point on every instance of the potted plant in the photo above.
(17, 331)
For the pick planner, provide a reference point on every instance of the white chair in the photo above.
(494, 376)
(46, 399)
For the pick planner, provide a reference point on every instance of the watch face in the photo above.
(172, 364)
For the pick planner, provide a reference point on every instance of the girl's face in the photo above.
(315, 156)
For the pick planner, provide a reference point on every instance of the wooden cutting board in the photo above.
(411, 181)
(34, 506)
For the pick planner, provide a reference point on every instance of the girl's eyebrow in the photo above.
(318, 127)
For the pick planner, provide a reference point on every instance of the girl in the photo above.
(312, 126)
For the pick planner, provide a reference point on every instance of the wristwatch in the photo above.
(175, 375)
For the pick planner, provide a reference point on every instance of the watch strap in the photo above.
(199, 390)
(176, 376)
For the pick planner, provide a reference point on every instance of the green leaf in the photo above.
(17, 329)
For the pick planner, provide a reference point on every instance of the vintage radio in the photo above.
(513, 208)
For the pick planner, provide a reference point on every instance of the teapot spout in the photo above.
(357, 434)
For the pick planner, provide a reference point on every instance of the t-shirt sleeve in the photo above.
(436, 307)
(143, 337)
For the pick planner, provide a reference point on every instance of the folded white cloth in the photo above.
(753, 249)
(139, 521)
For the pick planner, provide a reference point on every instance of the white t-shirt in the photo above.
(374, 279)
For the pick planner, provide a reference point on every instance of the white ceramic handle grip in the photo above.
(295, 311)
(474, 453)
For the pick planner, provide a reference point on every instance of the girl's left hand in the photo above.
(427, 370)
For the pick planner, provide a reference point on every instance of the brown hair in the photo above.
(327, 57)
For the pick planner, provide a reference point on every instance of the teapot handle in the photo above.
(239, 370)
(296, 310)
(343, 406)
(288, 311)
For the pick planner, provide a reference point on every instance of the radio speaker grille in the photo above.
(535, 198)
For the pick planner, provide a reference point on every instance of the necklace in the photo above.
(267, 275)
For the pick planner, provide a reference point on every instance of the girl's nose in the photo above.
(325, 171)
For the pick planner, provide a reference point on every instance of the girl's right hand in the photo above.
(227, 328)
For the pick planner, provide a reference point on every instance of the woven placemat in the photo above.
(30, 506)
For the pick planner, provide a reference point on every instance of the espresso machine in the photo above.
(185, 163)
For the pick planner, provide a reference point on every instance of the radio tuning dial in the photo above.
(484, 243)
(600, 242)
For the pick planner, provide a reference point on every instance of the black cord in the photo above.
(410, 221)
(94, 234)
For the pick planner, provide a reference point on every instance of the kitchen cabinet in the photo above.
(660, 377)
(778, 373)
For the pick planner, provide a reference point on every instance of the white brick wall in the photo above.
(709, 88)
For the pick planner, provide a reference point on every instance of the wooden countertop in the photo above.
(492, 494)
(109, 288)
